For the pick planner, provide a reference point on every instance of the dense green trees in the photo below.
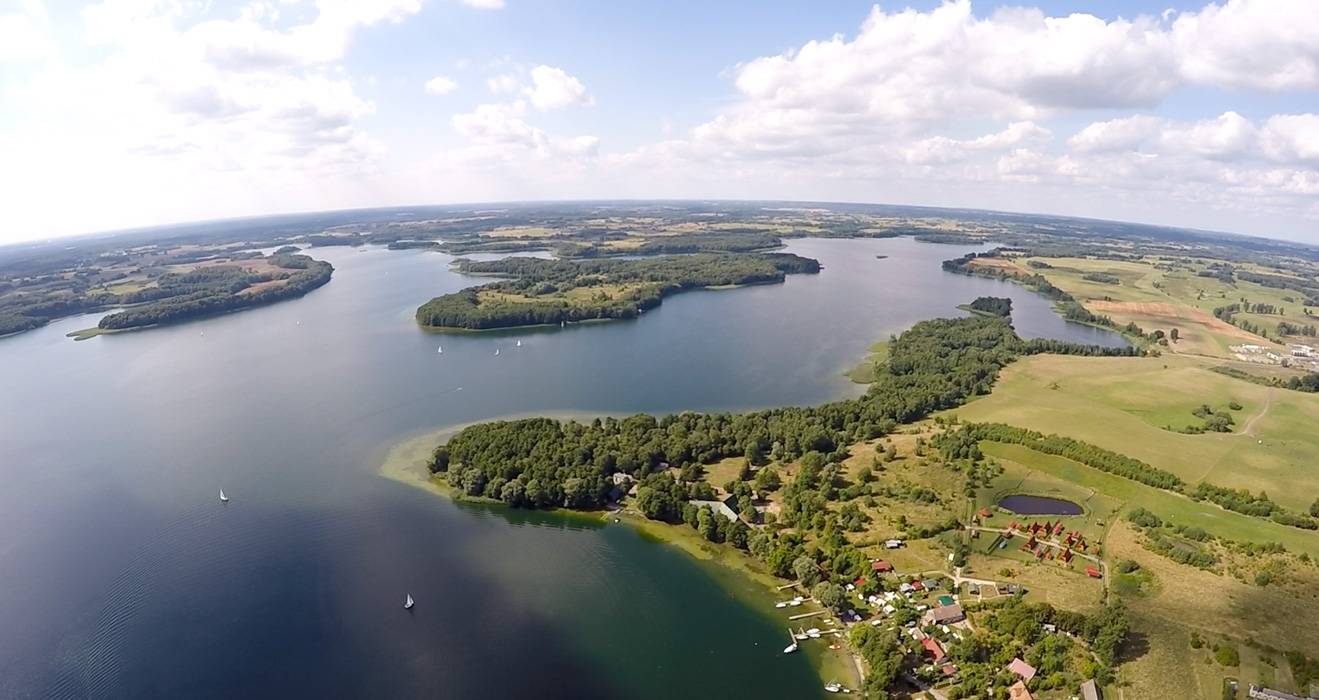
(537, 294)
(998, 306)
(935, 365)
(216, 289)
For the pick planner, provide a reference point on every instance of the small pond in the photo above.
(1039, 505)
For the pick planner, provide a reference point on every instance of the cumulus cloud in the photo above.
(485, 4)
(552, 88)
(440, 85)
(21, 40)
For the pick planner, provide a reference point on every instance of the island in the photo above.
(567, 291)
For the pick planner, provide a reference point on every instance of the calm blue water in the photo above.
(121, 575)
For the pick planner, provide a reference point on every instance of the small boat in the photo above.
(519, 343)
(833, 686)
(496, 351)
(794, 603)
(408, 605)
(813, 630)
(440, 350)
(562, 324)
(223, 497)
(834, 646)
(790, 648)
(780, 605)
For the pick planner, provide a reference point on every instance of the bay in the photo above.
(122, 575)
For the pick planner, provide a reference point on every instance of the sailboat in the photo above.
(519, 343)
(833, 686)
(223, 497)
(440, 350)
(790, 648)
(496, 351)
(408, 605)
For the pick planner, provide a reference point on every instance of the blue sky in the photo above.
(135, 112)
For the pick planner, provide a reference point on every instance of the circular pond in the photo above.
(1039, 505)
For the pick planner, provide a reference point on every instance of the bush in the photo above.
(1226, 655)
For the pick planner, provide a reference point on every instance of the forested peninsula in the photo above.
(218, 288)
(558, 291)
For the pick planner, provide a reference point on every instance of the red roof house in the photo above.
(932, 646)
(881, 566)
(1091, 572)
(1023, 669)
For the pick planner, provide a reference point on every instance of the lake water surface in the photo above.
(121, 574)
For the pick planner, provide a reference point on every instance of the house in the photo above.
(1018, 691)
(949, 670)
(1261, 693)
(906, 588)
(1023, 669)
(933, 648)
(917, 586)
(931, 584)
(984, 513)
(718, 507)
(893, 544)
(881, 567)
(945, 600)
(1058, 529)
(1092, 572)
(1090, 691)
(945, 615)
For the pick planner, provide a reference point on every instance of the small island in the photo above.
(542, 292)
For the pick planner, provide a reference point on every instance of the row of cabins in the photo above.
(1259, 692)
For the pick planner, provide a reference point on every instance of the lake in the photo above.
(1039, 505)
(124, 576)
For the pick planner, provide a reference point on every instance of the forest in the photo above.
(935, 365)
(550, 291)
(217, 289)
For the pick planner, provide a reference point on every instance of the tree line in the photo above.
(211, 290)
(536, 293)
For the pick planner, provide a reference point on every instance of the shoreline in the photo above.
(405, 462)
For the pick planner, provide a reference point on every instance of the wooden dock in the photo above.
(809, 614)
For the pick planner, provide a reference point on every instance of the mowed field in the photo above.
(1126, 404)
(1161, 297)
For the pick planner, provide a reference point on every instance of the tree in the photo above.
(805, 569)
(830, 595)
(1174, 334)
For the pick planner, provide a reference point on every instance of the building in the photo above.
(1018, 691)
(1261, 693)
(881, 567)
(934, 649)
(719, 507)
(893, 544)
(945, 615)
(1092, 572)
(1023, 669)
(1090, 691)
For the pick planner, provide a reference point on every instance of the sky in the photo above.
(129, 113)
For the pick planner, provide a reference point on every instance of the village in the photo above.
(926, 608)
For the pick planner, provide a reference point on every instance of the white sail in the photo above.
(408, 605)
(222, 496)
(496, 351)
(519, 343)
(440, 350)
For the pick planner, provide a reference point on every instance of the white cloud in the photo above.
(21, 40)
(485, 4)
(440, 85)
(504, 83)
(553, 89)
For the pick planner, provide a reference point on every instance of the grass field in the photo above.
(1122, 404)
(1157, 295)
